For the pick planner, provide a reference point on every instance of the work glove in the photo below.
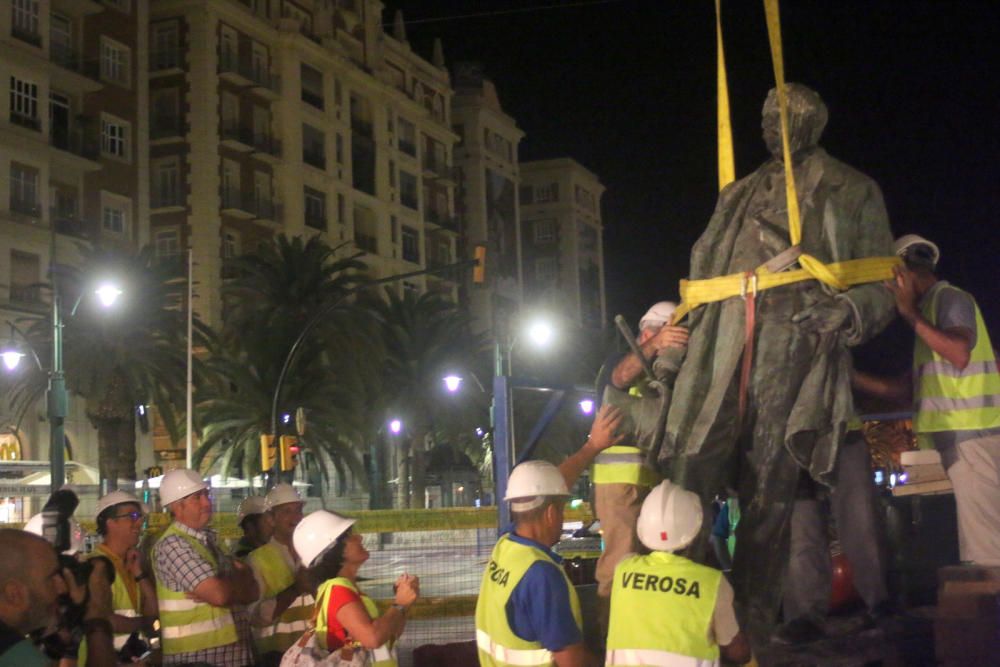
(830, 314)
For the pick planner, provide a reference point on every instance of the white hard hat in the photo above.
(904, 243)
(282, 494)
(180, 483)
(249, 506)
(119, 498)
(533, 480)
(316, 533)
(670, 518)
(77, 535)
(658, 314)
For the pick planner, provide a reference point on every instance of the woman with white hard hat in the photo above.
(346, 619)
(665, 608)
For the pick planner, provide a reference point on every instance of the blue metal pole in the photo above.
(503, 449)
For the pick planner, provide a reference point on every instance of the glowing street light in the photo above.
(108, 293)
(452, 383)
(395, 426)
(11, 358)
(541, 332)
(587, 406)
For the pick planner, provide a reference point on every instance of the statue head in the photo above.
(807, 118)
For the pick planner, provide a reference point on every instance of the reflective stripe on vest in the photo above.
(662, 606)
(382, 656)
(121, 602)
(186, 625)
(947, 398)
(651, 658)
(498, 645)
(269, 563)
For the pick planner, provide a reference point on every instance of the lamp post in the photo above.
(57, 398)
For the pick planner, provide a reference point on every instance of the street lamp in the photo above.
(395, 426)
(587, 406)
(452, 383)
(540, 332)
(57, 400)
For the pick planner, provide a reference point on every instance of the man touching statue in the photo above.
(774, 426)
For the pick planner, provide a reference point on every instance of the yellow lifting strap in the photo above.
(727, 163)
(839, 275)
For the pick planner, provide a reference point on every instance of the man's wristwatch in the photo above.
(401, 607)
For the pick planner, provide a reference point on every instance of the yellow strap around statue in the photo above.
(839, 275)
(727, 167)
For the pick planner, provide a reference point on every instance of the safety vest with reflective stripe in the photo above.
(270, 564)
(624, 464)
(186, 625)
(661, 612)
(949, 399)
(121, 603)
(384, 655)
(498, 645)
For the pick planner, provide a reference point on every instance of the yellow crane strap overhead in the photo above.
(727, 165)
(840, 275)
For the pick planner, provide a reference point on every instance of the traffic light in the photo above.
(479, 270)
(154, 471)
(289, 452)
(267, 452)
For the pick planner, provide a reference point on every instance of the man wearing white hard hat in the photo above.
(528, 612)
(255, 521)
(286, 601)
(621, 474)
(197, 586)
(120, 516)
(665, 608)
(955, 389)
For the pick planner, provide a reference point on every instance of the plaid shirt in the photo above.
(180, 568)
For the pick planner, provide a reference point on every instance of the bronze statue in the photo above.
(796, 396)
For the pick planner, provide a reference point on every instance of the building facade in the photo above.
(562, 248)
(73, 163)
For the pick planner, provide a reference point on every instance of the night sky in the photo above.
(627, 88)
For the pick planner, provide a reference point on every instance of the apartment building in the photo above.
(562, 248)
(301, 117)
(486, 165)
(73, 161)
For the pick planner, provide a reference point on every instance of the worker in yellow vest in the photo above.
(120, 516)
(286, 602)
(198, 588)
(528, 612)
(255, 521)
(955, 389)
(620, 475)
(667, 610)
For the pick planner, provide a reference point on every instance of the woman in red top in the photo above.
(346, 619)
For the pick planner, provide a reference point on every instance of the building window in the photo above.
(231, 195)
(313, 147)
(167, 243)
(120, 5)
(228, 50)
(546, 193)
(545, 230)
(407, 137)
(315, 204)
(24, 190)
(114, 137)
(262, 200)
(24, 270)
(546, 271)
(526, 194)
(24, 21)
(166, 182)
(260, 64)
(230, 245)
(24, 103)
(408, 190)
(341, 209)
(459, 129)
(115, 214)
(411, 245)
(339, 146)
(166, 47)
(164, 106)
(115, 59)
(61, 41)
(312, 85)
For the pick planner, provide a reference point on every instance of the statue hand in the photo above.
(824, 317)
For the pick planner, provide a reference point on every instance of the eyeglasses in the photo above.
(134, 516)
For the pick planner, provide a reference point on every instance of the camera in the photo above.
(65, 536)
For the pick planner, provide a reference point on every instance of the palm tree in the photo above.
(423, 337)
(273, 295)
(119, 358)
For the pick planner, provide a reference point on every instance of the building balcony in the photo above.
(167, 200)
(75, 140)
(28, 208)
(438, 170)
(238, 204)
(362, 128)
(237, 137)
(316, 222)
(77, 8)
(26, 35)
(267, 148)
(235, 71)
(315, 158)
(167, 128)
(366, 242)
(68, 224)
(24, 120)
(312, 99)
(27, 295)
(168, 61)
(74, 74)
(266, 210)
